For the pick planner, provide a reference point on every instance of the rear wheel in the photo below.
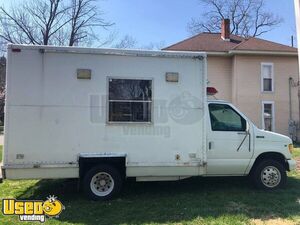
(102, 182)
(269, 175)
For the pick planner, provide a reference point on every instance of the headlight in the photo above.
(291, 148)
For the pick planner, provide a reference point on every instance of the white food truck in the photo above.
(102, 115)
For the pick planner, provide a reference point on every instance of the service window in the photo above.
(225, 118)
(130, 100)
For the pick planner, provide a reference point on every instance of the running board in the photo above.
(141, 179)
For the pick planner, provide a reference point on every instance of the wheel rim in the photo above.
(270, 176)
(102, 184)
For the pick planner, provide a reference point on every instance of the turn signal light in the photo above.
(291, 148)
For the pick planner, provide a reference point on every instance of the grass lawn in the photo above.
(192, 201)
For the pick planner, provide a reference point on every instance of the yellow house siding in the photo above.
(248, 89)
(238, 80)
(219, 70)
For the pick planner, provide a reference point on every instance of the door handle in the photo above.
(241, 133)
(210, 145)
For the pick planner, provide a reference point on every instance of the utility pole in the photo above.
(297, 13)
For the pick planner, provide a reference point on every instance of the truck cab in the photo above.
(237, 147)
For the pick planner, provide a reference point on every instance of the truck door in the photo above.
(229, 148)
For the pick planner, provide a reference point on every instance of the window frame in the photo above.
(263, 116)
(262, 76)
(211, 128)
(108, 101)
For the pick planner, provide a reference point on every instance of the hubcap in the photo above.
(102, 184)
(270, 176)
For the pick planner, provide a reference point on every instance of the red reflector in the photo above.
(211, 91)
(16, 50)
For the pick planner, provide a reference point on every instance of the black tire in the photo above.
(269, 175)
(106, 174)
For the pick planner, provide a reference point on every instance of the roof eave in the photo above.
(250, 52)
(218, 53)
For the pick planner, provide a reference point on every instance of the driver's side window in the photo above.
(225, 118)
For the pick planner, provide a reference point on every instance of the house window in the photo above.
(130, 100)
(267, 77)
(268, 116)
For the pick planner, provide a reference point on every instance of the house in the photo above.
(260, 77)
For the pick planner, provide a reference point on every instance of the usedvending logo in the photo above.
(32, 210)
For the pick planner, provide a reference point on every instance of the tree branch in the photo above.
(248, 17)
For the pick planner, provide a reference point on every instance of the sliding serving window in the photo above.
(130, 100)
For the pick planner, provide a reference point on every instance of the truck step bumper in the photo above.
(292, 164)
(1, 174)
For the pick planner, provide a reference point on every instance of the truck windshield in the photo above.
(225, 118)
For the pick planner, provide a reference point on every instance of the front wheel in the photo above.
(102, 182)
(269, 175)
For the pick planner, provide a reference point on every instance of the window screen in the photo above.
(130, 100)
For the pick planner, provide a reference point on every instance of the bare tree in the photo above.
(84, 18)
(249, 18)
(126, 42)
(2, 88)
(154, 45)
(35, 22)
(59, 22)
(130, 42)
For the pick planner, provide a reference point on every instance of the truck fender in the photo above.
(267, 155)
(90, 160)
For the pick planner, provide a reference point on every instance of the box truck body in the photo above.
(53, 116)
(72, 112)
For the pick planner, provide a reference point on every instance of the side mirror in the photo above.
(247, 127)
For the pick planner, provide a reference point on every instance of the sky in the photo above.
(156, 21)
(166, 20)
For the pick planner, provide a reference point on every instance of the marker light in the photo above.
(211, 91)
(291, 148)
(16, 50)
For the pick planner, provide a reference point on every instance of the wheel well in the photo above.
(86, 163)
(270, 155)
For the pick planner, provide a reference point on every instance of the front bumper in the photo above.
(2, 173)
(292, 164)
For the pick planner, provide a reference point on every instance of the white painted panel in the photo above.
(53, 116)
